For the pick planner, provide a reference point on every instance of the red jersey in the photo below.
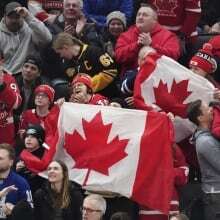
(30, 117)
(10, 99)
(97, 99)
(178, 15)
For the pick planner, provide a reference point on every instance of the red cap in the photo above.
(204, 59)
(47, 90)
(83, 78)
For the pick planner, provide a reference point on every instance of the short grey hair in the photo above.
(101, 202)
(152, 8)
(79, 1)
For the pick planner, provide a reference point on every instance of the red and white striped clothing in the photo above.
(41, 8)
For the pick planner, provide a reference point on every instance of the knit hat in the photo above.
(37, 131)
(49, 91)
(34, 60)
(83, 78)
(116, 15)
(204, 59)
(10, 7)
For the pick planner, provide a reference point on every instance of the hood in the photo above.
(3, 27)
(197, 133)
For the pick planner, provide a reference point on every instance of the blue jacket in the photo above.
(23, 192)
(97, 10)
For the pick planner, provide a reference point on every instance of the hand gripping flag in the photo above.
(165, 84)
(118, 150)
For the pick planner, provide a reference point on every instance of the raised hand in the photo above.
(22, 11)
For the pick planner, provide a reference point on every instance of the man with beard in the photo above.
(8, 177)
(20, 34)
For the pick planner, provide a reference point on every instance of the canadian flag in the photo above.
(164, 83)
(117, 150)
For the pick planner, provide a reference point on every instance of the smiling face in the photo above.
(5, 161)
(80, 93)
(71, 9)
(146, 19)
(55, 173)
(115, 27)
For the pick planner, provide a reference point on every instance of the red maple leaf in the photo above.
(94, 153)
(172, 101)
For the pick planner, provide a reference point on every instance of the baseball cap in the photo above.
(10, 7)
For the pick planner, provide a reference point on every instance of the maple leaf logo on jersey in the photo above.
(94, 152)
(166, 7)
(172, 101)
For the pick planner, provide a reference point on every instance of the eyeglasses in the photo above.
(89, 210)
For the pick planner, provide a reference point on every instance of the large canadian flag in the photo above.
(118, 150)
(164, 84)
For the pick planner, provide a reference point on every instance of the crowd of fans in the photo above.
(90, 52)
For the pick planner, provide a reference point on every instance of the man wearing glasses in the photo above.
(94, 207)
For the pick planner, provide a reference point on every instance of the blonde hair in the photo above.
(63, 39)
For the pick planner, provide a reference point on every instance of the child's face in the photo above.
(41, 99)
(31, 143)
(79, 94)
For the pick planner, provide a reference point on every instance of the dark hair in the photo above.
(9, 148)
(63, 200)
(194, 111)
(37, 131)
(34, 59)
(120, 216)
